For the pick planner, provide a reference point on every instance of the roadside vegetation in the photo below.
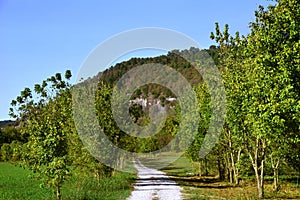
(16, 184)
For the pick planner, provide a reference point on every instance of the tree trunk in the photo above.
(199, 169)
(235, 168)
(233, 159)
(221, 170)
(275, 173)
(206, 165)
(236, 176)
(58, 195)
(230, 175)
(276, 180)
(229, 168)
(257, 160)
(259, 182)
(233, 171)
(260, 189)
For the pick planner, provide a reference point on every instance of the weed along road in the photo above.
(153, 184)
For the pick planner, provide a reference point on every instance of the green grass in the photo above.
(15, 184)
(117, 187)
(180, 167)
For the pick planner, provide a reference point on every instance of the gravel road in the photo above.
(153, 184)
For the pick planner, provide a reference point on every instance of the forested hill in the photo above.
(5, 123)
(178, 60)
(175, 59)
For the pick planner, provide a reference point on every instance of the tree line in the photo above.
(261, 76)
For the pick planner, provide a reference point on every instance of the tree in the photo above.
(45, 115)
(268, 87)
(10, 134)
(6, 152)
(204, 103)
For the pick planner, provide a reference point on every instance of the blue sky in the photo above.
(41, 38)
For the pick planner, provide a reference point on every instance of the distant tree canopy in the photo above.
(178, 60)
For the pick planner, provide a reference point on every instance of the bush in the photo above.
(6, 152)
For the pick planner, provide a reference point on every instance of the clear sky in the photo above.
(41, 38)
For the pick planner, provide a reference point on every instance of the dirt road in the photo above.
(153, 184)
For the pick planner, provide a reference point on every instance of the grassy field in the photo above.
(209, 187)
(15, 184)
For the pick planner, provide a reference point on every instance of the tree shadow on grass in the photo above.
(197, 182)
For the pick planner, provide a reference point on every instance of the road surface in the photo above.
(153, 184)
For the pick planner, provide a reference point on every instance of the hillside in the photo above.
(174, 59)
(5, 123)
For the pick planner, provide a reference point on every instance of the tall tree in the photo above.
(45, 115)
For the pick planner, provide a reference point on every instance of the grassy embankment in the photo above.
(209, 187)
(15, 184)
